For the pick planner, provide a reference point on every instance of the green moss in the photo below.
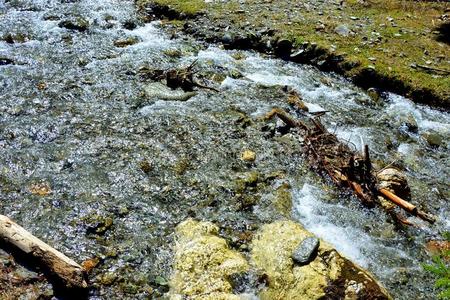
(181, 166)
(98, 224)
(249, 181)
(189, 7)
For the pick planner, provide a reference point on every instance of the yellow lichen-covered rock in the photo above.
(203, 263)
(329, 275)
(248, 155)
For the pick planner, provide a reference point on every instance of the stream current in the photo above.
(97, 165)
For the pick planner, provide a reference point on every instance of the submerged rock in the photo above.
(328, 275)
(283, 199)
(125, 42)
(248, 156)
(6, 61)
(162, 92)
(78, 24)
(433, 139)
(203, 263)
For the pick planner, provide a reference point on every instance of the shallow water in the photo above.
(74, 116)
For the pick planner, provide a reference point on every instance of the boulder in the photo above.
(328, 275)
(203, 263)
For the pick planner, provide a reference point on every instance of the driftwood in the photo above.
(412, 209)
(346, 167)
(65, 269)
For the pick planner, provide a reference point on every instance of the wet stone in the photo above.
(433, 139)
(409, 123)
(129, 24)
(283, 48)
(125, 42)
(306, 251)
(78, 24)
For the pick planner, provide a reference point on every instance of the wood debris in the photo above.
(332, 158)
(69, 273)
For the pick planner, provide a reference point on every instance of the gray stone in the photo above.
(227, 38)
(342, 30)
(306, 251)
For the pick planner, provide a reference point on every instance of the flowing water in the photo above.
(96, 162)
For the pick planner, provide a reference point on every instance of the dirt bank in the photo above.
(395, 46)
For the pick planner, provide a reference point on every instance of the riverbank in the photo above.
(400, 47)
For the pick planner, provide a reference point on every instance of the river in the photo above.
(96, 164)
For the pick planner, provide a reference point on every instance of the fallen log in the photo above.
(65, 269)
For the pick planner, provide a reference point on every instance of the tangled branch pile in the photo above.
(328, 156)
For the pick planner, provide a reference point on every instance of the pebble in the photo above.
(342, 30)
(248, 155)
(306, 250)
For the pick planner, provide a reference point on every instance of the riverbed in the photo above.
(97, 165)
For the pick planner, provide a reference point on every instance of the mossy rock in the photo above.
(283, 199)
(329, 275)
(203, 263)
